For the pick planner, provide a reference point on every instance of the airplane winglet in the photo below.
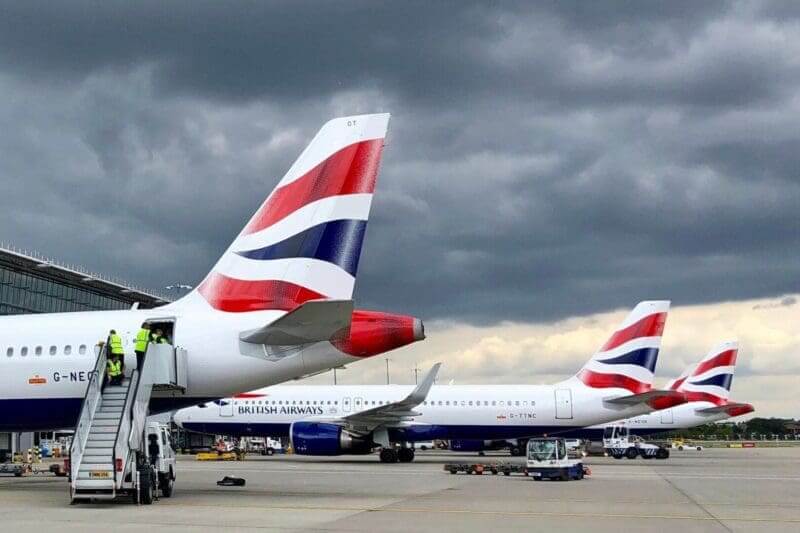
(313, 321)
(421, 391)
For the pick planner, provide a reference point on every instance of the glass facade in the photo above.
(25, 292)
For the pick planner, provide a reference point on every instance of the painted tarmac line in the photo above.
(518, 514)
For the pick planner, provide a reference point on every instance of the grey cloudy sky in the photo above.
(545, 159)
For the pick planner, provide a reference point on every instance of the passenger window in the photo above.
(53, 350)
(470, 403)
(517, 404)
(38, 350)
(10, 352)
(82, 349)
(23, 351)
(67, 349)
(494, 402)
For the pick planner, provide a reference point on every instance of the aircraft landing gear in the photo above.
(389, 455)
(405, 455)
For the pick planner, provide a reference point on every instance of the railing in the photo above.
(121, 449)
(88, 407)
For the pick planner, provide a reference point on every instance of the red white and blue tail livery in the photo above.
(305, 240)
(628, 359)
(706, 386)
(710, 380)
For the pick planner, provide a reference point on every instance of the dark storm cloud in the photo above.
(543, 160)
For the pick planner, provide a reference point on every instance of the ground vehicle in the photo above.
(161, 455)
(680, 445)
(548, 458)
(618, 443)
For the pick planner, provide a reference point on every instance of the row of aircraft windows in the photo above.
(444, 403)
(38, 350)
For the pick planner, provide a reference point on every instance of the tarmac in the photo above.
(710, 490)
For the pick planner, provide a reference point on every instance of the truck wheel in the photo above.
(617, 455)
(167, 483)
(662, 453)
(564, 474)
(631, 453)
(146, 487)
(269, 451)
(515, 451)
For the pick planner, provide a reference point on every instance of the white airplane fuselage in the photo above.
(45, 391)
(449, 412)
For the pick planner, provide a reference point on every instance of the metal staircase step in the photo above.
(109, 414)
(103, 445)
(94, 484)
(101, 458)
(86, 466)
(112, 403)
(104, 422)
(101, 437)
(115, 389)
(97, 430)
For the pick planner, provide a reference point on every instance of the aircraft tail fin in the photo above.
(628, 358)
(304, 242)
(711, 378)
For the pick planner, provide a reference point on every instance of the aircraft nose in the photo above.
(419, 330)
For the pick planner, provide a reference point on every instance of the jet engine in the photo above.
(317, 438)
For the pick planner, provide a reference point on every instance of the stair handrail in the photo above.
(134, 416)
(123, 430)
(141, 403)
(91, 400)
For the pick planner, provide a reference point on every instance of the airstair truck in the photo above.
(115, 451)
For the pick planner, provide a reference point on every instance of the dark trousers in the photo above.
(139, 360)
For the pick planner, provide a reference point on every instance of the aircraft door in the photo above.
(226, 408)
(564, 403)
(666, 416)
(346, 405)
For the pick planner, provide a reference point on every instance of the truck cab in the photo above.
(161, 455)
(547, 458)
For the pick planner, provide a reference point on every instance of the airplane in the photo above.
(332, 420)
(276, 306)
(707, 387)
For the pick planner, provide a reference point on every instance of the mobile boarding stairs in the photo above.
(108, 456)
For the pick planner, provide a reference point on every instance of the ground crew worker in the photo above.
(159, 338)
(114, 370)
(115, 345)
(142, 339)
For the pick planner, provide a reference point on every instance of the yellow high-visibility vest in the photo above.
(115, 343)
(114, 368)
(142, 339)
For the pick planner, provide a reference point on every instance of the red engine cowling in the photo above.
(372, 333)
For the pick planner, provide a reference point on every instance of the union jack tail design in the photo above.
(711, 378)
(628, 359)
(304, 242)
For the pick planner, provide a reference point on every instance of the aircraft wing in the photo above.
(390, 414)
(313, 321)
(730, 408)
(656, 399)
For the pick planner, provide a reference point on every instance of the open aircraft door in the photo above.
(564, 403)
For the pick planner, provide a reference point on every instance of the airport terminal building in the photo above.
(30, 283)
